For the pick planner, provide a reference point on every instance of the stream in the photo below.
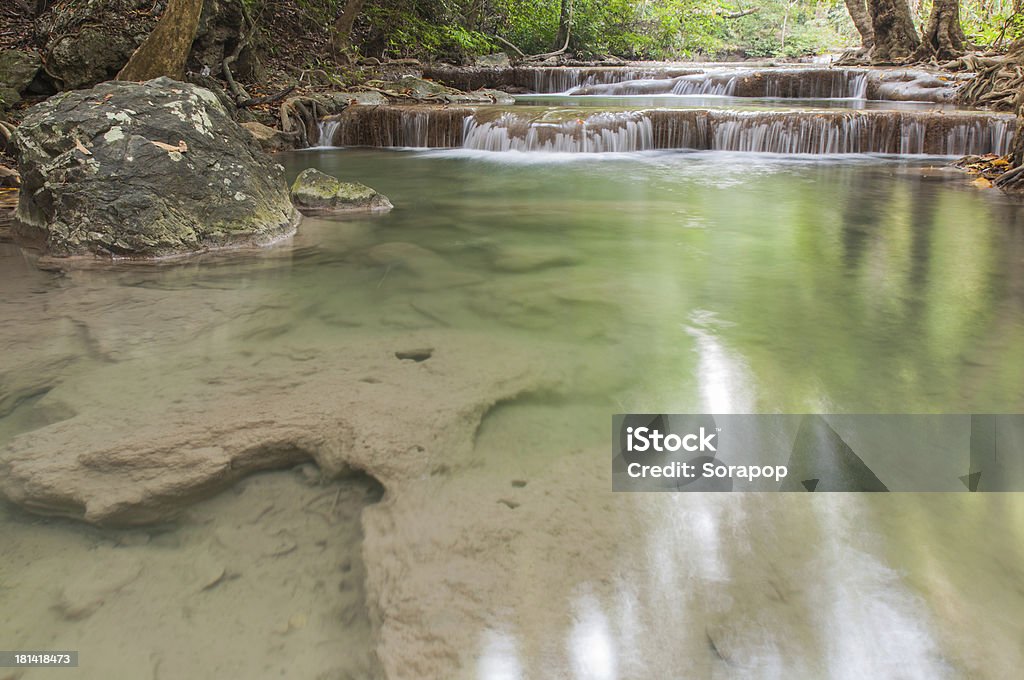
(648, 279)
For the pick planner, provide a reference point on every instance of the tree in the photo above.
(943, 36)
(858, 10)
(564, 26)
(895, 36)
(166, 49)
(344, 23)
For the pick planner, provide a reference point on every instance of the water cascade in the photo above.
(789, 83)
(327, 128)
(395, 126)
(769, 131)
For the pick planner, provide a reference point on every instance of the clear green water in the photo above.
(668, 283)
(719, 282)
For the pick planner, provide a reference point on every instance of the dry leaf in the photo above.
(982, 183)
(182, 147)
(81, 147)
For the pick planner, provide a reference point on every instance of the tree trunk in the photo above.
(943, 36)
(343, 26)
(564, 25)
(166, 49)
(862, 21)
(896, 38)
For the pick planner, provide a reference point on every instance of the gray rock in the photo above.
(270, 139)
(92, 56)
(497, 60)
(144, 170)
(413, 87)
(316, 193)
(17, 71)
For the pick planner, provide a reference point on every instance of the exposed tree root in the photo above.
(999, 84)
(998, 81)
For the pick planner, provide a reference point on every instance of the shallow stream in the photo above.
(654, 282)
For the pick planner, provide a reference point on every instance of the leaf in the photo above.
(982, 183)
(182, 147)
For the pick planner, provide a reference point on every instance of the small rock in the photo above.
(207, 572)
(314, 192)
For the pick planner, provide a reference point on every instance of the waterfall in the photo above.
(703, 84)
(783, 84)
(601, 132)
(820, 132)
(806, 82)
(401, 126)
(830, 131)
(327, 128)
(809, 84)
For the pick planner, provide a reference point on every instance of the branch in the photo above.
(269, 99)
(508, 44)
(737, 15)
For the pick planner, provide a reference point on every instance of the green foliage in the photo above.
(789, 28)
(457, 30)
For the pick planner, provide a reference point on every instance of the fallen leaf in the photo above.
(182, 147)
(982, 183)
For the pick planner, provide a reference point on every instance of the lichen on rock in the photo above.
(315, 192)
(143, 170)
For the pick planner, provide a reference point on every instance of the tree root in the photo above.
(998, 80)
(1012, 181)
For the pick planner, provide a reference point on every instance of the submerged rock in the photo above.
(144, 170)
(317, 193)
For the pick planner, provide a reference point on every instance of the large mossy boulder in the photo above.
(144, 170)
(317, 193)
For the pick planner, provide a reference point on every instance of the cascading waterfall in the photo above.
(399, 126)
(788, 132)
(816, 84)
(804, 82)
(327, 128)
(700, 84)
(602, 132)
(783, 84)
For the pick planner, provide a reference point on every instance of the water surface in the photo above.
(662, 282)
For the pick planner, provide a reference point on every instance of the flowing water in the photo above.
(658, 281)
